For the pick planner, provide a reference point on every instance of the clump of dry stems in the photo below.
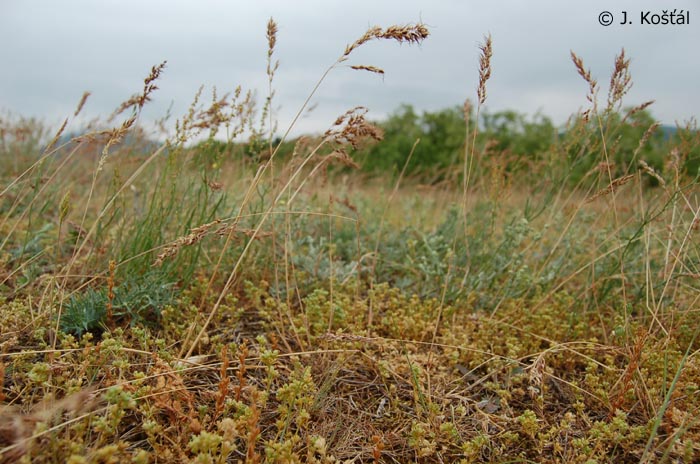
(355, 127)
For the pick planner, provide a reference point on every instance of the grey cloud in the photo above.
(55, 50)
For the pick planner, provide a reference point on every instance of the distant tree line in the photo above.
(518, 144)
(525, 142)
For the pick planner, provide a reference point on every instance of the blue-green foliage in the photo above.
(138, 300)
(447, 261)
(84, 312)
(474, 258)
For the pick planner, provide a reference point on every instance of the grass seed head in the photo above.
(620, 81)
(271, 36)
(586, 75)
(484, 67)
(81, 103)
(351, 127)
(372, 69)
(139, 100)
(410, 33)
(612, 187)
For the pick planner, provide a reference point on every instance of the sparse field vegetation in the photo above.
(473, 288)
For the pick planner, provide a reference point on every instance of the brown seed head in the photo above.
(620, 81)
(139, 100)
(639, 108)
(81, 103)
(652, 172)
(586, 75)
(352, 127)
(411, 33)
(467, 109)
(342, 157)
(612, 187)
(271, 36)
(372, 69)
(484, 68)
(647, 134)
(195, 236)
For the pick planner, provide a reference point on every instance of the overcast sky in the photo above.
(53, 51)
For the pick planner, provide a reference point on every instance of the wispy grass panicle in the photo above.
(410, 33)
(586, 75)
(195, 236)
(645, 138)
(637, 109)
(233, 112)
(612, 187)
(414, 34)
(484, 68)
(115, 136)
(139, 100)
(620, 81)
(644, 166)
(81, 103)
(372, 69)
(271, 36)
(352, 127)
(272, 66)
(57, 136)
(485, 56)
